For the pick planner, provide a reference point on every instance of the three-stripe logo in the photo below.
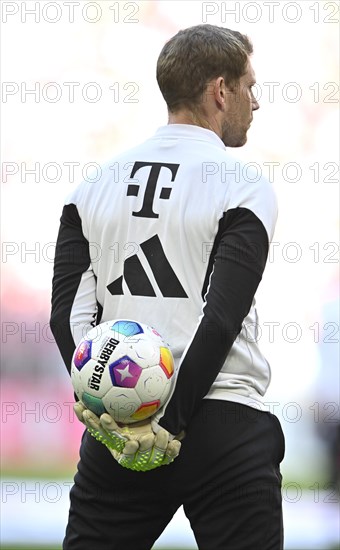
(137, 279)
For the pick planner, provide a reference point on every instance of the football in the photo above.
(122, 367)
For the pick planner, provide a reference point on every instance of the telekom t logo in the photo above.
(149, 194)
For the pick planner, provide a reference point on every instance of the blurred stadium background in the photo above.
(91, 66)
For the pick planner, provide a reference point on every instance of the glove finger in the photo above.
(172, 452)
(140, 460)
(174, 447)
(162, 439)
(127, 457)
(91, 420)
(159, 450)
(130, 448)
(146, 442)
(108, 422)
(79, 408)
(144, 452)
(112, 440)
(92, 423)
(118, 435)
(151, 451)
(110, 425)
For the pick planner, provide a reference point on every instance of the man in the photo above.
(192, 240)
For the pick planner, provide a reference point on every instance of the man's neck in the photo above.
(190, 117)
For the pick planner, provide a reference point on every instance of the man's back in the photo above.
(154, 222)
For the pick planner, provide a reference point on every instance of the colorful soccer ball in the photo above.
(122, 367)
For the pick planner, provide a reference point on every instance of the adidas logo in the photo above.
(136, 277)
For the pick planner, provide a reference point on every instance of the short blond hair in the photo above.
(196, 55)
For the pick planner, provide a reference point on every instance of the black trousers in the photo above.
(227, 477)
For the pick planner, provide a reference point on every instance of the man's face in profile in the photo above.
(239, 112)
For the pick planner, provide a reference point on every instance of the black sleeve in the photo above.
(238, 260)
(72, 259)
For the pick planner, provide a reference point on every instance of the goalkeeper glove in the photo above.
(134, 446)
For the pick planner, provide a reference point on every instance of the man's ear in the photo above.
(220, 92)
